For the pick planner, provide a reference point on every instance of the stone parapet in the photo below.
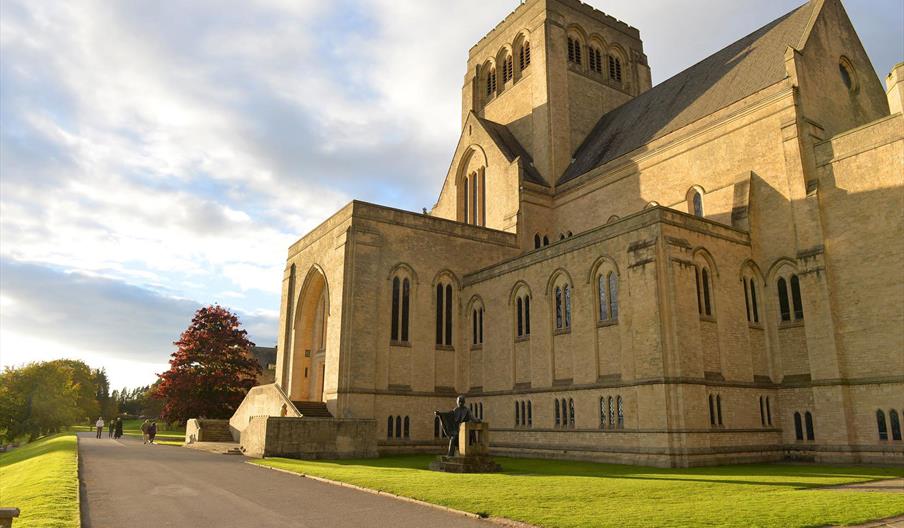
(309, 438)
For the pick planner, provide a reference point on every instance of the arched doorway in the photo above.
(309, 343)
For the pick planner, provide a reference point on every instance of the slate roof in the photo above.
(512, 149)
(749, 65)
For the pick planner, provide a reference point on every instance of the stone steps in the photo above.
(312, 409)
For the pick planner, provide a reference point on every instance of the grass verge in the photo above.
(565, 494)
(173, 435)
(41, 479)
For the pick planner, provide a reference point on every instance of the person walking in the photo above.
(118, 432)
(111, 428)
(145, 426)
(100, 426)
(152, 432)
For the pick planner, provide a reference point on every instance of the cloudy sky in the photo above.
(158, 156)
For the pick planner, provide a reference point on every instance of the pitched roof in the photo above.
(749, 65)
(511, 148)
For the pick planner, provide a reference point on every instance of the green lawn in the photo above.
(169, 435)
(41, 479)
(580, 494)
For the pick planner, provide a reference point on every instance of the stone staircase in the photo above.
(216, 431)
(312, 409)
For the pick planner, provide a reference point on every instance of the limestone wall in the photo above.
(309, 438)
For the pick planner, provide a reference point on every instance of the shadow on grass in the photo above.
(761, 475)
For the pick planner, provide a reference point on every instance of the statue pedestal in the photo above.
(473, 449)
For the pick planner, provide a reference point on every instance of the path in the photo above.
(125, 483)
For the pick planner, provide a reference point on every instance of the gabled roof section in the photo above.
(749, 65)
(512, 149)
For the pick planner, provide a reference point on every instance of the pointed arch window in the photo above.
(477, 326)
(880, 423)
(407, 432)
(398, 426)
(704, 302)
(768, 412)
(545, 240)
(798, 428)
(389, 427)
(401, 307)
(530, 414)
(522, 315)
(895, 425)
(559, 315)
(750, 300)
(607, 285)
(790, 303)
(621, 413)
(558, 417)
(444, 314)
(537, 241)
(808, 422)
(603, 412)
(571, 413)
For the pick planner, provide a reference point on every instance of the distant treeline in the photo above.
(42, 398)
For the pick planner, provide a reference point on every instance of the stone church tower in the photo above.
(699, 272)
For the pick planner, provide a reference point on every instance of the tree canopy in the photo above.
(41, 398)
(212, 369)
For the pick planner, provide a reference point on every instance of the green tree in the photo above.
(38, 399)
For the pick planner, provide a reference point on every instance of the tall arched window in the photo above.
(895, 424)
(398, 427)
(407, 432)
(808, 422)
(768, 412)
(564, 413)
(558, 418)
(537, 241)
(762, 412)
(389, 427)
(520, 317)
(524, 55)
(530, 414)
(545, 240)
(621, 413)
(615, 69)
(783, 305)
(477, 326)
(443, 314)
(712, 410)
(396, 299)
(880, 423)
(611, 412)
(567, 306)
(527, 315)
(570, 413)
(613, 296)
(795, 298)
(401, 305)
(522, 314)
(603, 412)
(603, 298)
(750, 300)
(523, 412)
(798, 427)
(704, 303)
(719, 409)
(559, 309)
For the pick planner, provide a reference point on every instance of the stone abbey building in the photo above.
(705, 271)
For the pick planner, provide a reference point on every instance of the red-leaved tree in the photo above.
(211, 371)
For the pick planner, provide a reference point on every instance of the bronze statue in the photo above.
(452, 420)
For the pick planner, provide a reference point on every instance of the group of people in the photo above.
(115, 430)
(148, 429)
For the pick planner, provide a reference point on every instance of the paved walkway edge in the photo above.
(496, 520)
